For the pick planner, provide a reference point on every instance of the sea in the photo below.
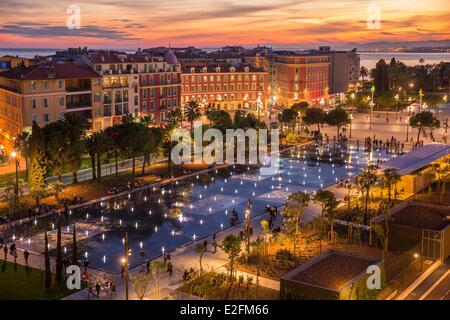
(368, 59)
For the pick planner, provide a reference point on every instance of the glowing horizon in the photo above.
(213, 23)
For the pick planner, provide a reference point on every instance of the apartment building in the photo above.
(43, 93)
(344, 70)
(137, 84)
(226, 87)
(298, 76)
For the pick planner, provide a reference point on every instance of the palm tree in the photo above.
(192, 112)
(363, 72)
(366, 180)
(328, 204)
(390, 178)
(47, 272)
(174, 121)
(59, 263)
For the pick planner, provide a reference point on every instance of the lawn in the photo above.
(19, 282)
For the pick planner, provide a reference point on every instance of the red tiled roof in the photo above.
(50, 70)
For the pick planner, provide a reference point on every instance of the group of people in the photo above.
(109, 288)
(13, 251)
(128, 187)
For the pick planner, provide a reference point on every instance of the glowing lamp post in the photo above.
(372, 90)
(407, 128)
(351, 120)
(396, 106)
(16, 161)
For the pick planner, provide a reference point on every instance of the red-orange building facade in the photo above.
(226, 87)
(296, 77)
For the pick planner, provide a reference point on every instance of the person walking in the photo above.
(5, 251)
(170, 268)
(97, 289)
(86, 264)
(214, 243)
(148, 266)
(90, 291)
(26, 254)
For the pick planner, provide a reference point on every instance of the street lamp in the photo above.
(396, 106)
(353, 100)
(372, 90)
(446, 128)
(407, 129)
(125, 264)
(16, 160)
(420, 100)
(351, 120)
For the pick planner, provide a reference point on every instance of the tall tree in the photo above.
(365, 181)
(59, 263)
(380, 76)
(390, 179)
(74, 247)
(74, 129)
(192, 112)
(174, 121)
(364, 73)
(47, 268)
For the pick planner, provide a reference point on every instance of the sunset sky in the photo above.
(211, 23)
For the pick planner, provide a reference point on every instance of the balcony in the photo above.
(80, 101)
(78, 85)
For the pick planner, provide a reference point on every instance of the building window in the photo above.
(97, 97)
(45, 101)
(34, 104)
(60, 84)
(45, 84)
(35, 118)
(61, 101)
(47, 117)
(33, 85)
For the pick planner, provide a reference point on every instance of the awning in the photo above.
(417, 158)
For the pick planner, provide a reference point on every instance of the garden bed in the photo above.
(216, 286)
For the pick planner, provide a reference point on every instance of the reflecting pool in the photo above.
(160, 219)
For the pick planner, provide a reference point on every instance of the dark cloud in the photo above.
(43, 30)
